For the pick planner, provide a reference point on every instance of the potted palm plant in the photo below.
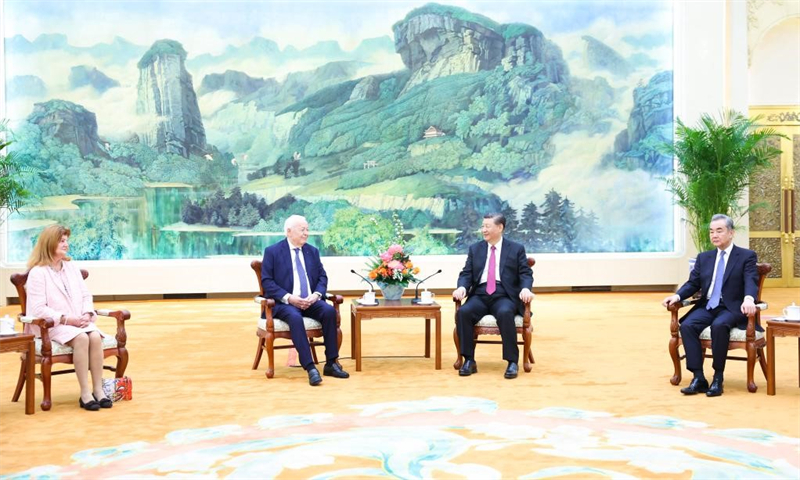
(12, 191)
(716, 160)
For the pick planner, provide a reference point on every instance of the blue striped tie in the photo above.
(716, 291)
(301, 273)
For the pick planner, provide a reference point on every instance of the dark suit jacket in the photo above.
(277, 270)
(740, 279)
(515, 274)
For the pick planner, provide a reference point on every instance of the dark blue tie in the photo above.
(716, 291)
(301, 273)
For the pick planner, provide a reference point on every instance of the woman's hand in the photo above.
(85, 320)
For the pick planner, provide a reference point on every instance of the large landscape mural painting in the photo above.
(178, 129)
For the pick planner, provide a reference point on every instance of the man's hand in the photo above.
(671, 300)
(299, 302)
(748, 306)
(459, 293)
(525, 295)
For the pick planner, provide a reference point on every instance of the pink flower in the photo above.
(386, 257)
(395, 249)
(396, 265)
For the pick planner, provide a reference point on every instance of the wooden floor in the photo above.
(190, 364)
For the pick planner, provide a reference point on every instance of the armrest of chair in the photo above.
(264, 302)
(754, 320)
(673, 324)
(336, 300)
(44, 325)
(120, 316)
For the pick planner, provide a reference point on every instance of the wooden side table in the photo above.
(779, 329)
(20, 342)
(402, 308)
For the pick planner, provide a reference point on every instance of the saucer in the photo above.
(361, 302)
(9, 334)
(420, 302)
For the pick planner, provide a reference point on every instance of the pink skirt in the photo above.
(64, 333)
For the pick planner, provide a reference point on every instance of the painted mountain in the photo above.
(159, 151)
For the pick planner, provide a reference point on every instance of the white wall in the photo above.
(775, 65)
(710, 73)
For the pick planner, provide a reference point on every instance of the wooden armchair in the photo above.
(488, 326)
(49, 353)
(751, 340)
(270, 328)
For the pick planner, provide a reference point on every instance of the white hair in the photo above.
(292, 221)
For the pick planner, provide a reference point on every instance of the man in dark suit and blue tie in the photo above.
(728, 279)
(292, 274)
(497, 280)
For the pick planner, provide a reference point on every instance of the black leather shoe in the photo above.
(334, 370)
(104, 402)
(715, 390)
(697, 386)
(91, 405)
(313, 377)
(468, 368)
(511, 371)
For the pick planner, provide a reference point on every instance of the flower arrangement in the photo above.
(393, 267)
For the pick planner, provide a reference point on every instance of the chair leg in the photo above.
(526, 337)
(762, 361)
(313, 350)
(676, 361)
(259, 352)
(46, 366)
(122, 362)
(270, 355)
(530, 357)
(751, 366)
(459, 362)
(339, 341)
(23, 370)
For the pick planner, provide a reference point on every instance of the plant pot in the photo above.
(392, 291)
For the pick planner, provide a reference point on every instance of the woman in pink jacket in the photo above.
(56, 290)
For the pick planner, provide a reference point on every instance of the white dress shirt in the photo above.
(485, 275)
(295, 276)
(722, 276)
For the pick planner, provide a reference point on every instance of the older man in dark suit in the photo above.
(728, 279)
(292, 274)
(498, 281)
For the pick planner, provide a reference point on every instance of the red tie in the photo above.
(491, 281)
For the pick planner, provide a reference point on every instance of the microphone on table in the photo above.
(416, 290)
(371, 287)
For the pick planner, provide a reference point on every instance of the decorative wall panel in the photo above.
(765, 190)
(769, 251)
(174, 129)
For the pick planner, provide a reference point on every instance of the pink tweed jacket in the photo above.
(52, 294)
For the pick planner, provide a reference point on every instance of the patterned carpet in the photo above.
(445, 437)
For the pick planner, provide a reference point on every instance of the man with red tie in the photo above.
(497, 281)
(292, 274)
(728, 279)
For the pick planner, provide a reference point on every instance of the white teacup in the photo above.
(369, 297)
(792, 312)
(7, 326)
(426, 297)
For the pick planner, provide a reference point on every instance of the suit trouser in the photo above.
(721, 321)
(499, 305)
(321, 311)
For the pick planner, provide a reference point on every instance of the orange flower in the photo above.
(416, 270)
(373, 275)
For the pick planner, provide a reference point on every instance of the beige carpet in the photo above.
(600, 357)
